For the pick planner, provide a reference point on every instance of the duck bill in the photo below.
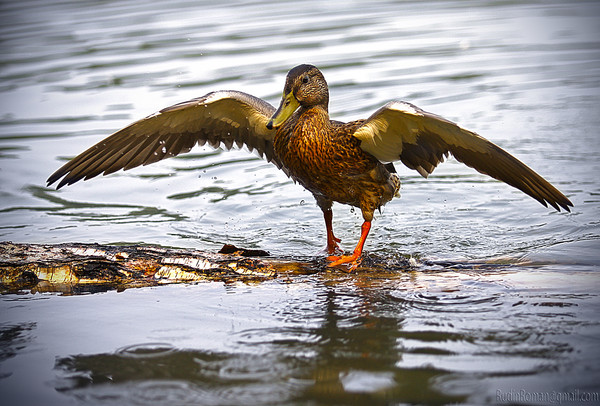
(288, 105)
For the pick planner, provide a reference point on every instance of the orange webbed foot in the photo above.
(353, 261)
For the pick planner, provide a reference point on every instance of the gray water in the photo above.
(502, 307)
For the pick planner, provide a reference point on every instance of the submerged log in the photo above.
(79, 268)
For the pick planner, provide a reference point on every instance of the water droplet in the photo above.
(164, 150)
(302, 202)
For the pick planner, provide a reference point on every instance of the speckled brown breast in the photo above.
(327, 160)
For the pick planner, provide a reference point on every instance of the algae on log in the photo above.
(78, 268)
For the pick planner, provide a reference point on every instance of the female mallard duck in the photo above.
(349, 163)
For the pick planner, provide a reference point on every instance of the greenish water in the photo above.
(503, 306)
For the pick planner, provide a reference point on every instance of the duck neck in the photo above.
(317, 115)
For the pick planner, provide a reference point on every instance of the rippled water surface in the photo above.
(502, 307)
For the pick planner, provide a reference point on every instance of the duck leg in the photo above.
(355, 258)
(332, 246)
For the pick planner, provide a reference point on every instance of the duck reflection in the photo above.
(340, 348)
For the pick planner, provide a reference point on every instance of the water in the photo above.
(503, 306)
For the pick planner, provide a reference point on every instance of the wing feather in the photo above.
(421, 140)
(225, 118)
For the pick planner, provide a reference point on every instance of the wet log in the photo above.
(80, 268)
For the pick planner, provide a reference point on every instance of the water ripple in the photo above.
(451, 303)
(145, 350)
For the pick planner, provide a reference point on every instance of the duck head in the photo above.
(305, 87)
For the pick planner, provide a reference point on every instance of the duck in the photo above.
(350, 163)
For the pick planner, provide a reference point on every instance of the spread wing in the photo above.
(219, 118)
(421, 140)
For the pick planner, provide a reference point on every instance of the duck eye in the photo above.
(305, 79)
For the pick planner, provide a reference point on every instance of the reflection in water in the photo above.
(421, 337)
(357, 358)
(13, 339)
(192, 376)
(348, 357)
